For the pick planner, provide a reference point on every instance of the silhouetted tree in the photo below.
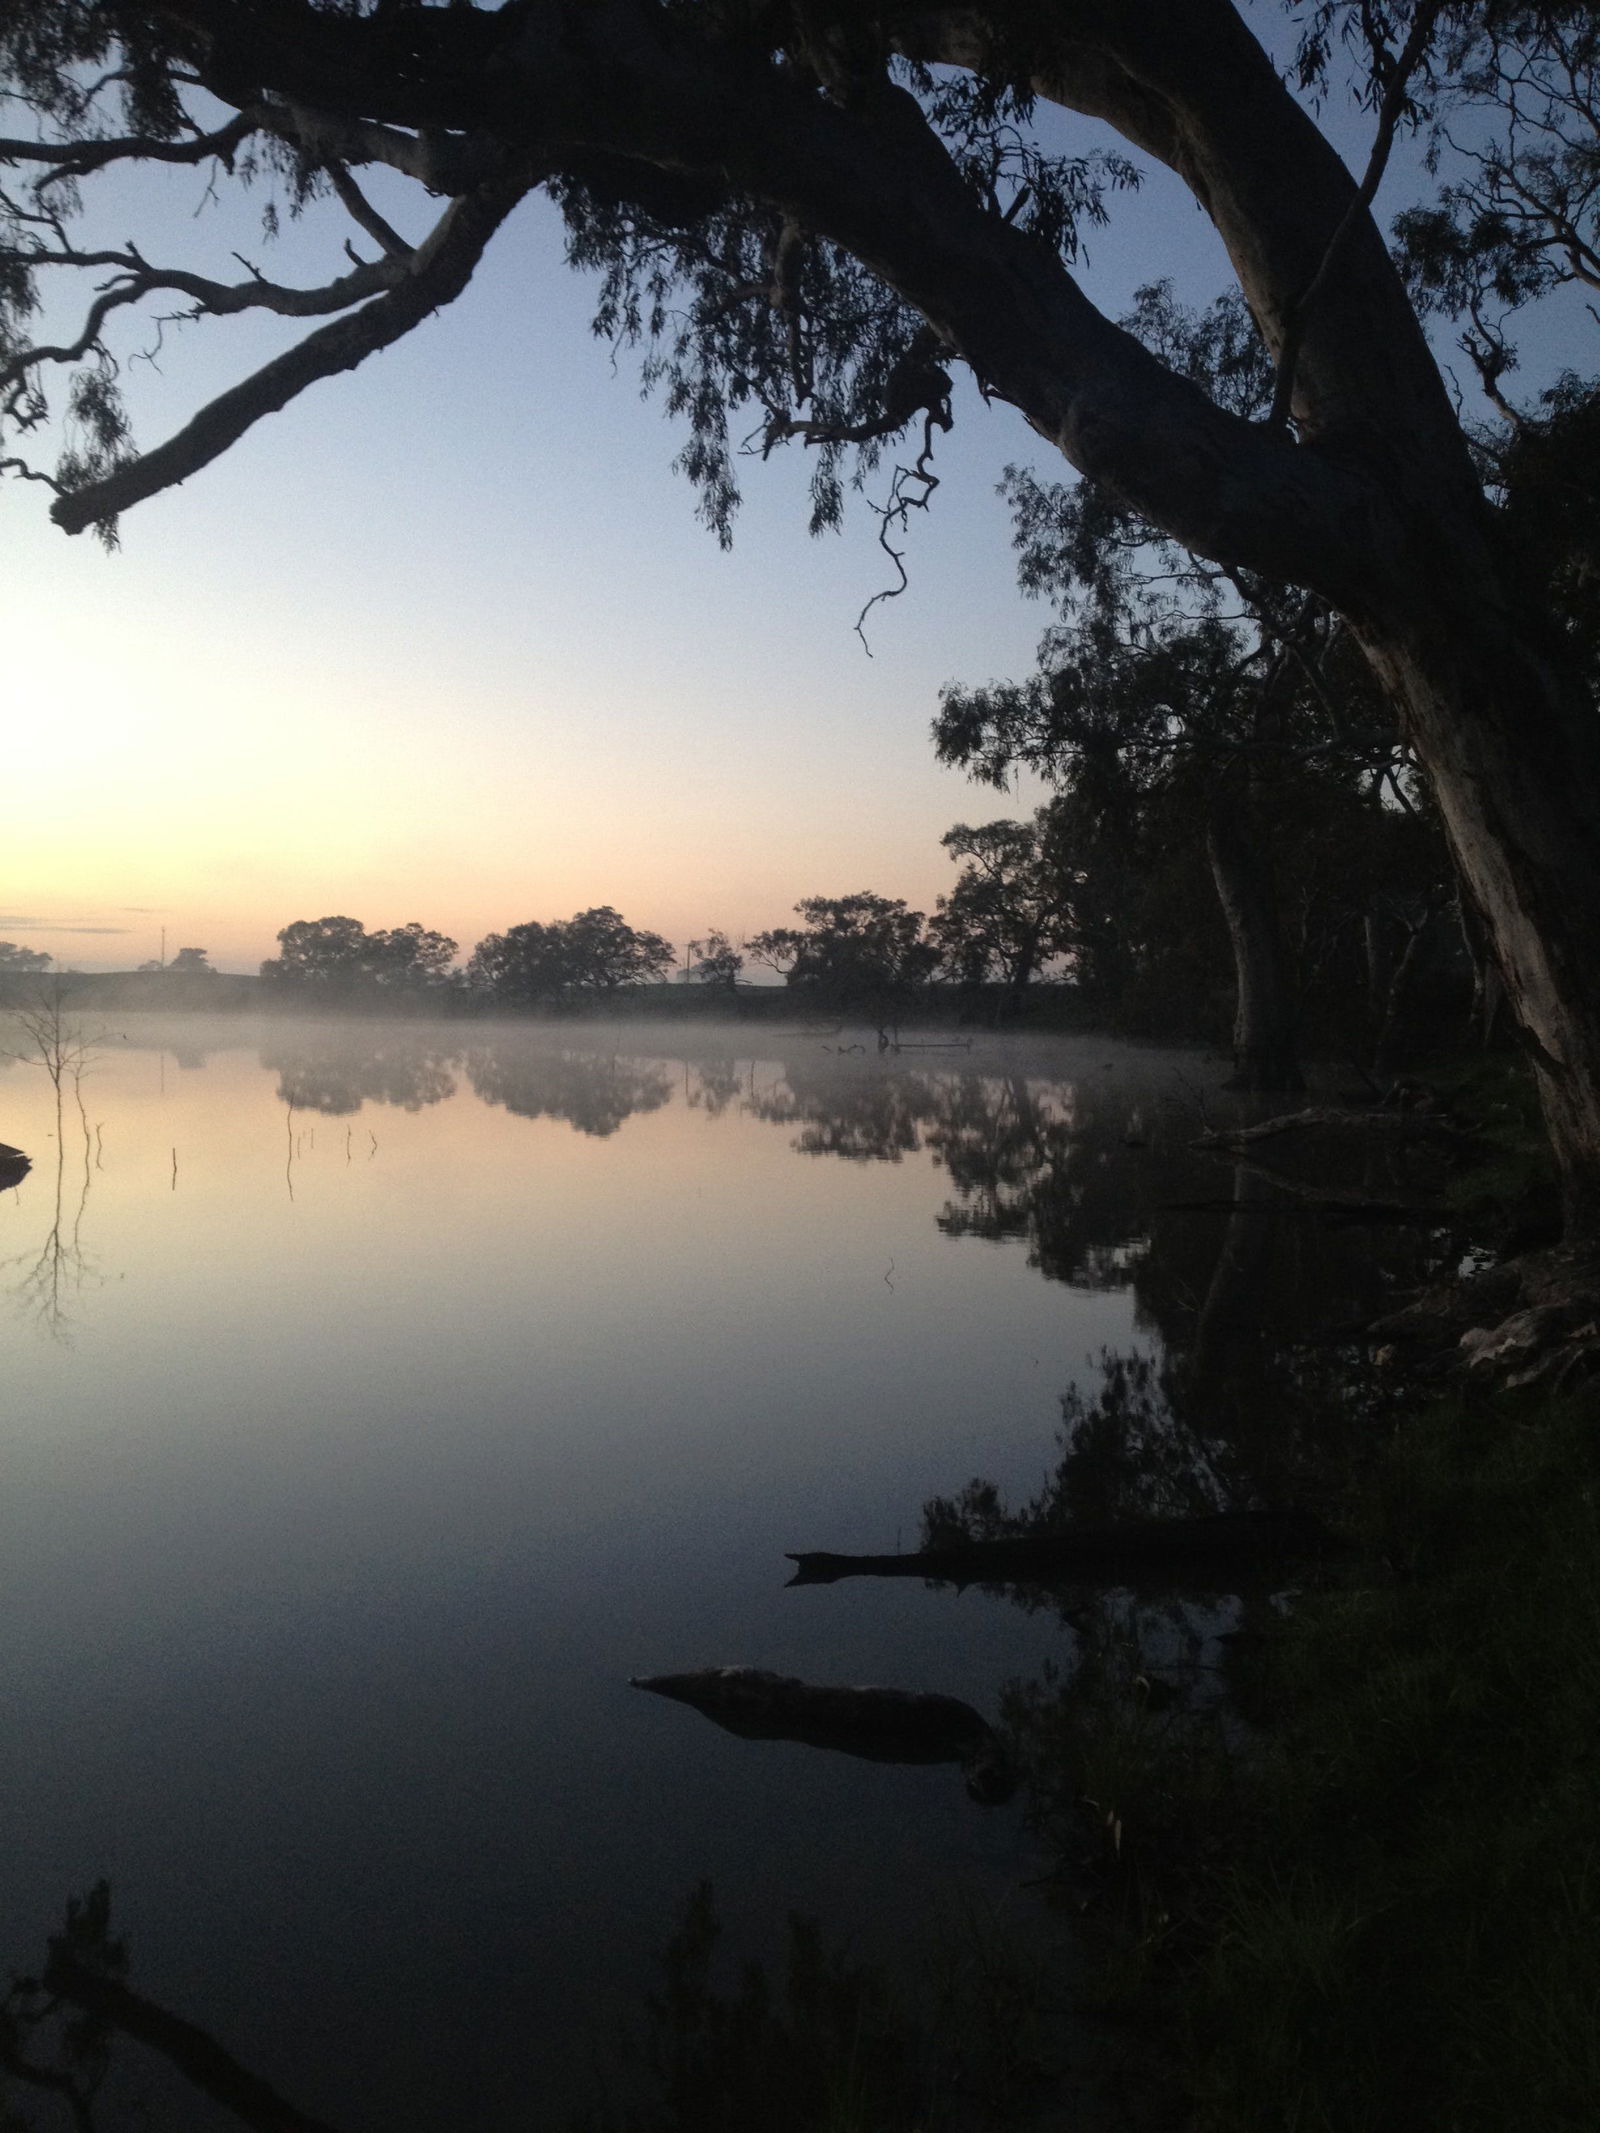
(1517, 124)
(338, 955)
(595, 954)
(717, 962)
(1008, 916)
(1185, 704)
(862, 950)
(13, 958)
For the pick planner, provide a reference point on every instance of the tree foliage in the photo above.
(861, 950)
(339, 954)
(1009, 916)
(716, 961)
(1514, 121)
(13, 958)
(594, 954)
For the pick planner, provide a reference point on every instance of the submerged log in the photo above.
(1214, 1551)
(883, 1725)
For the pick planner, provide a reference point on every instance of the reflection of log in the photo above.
(1394, 1125)
(883, 1725)
(1214, 1551)
(1342, 1203)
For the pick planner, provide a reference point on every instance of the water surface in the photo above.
(382, 1397)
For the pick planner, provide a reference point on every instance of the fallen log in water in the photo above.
(1214, 1551)
(883, 1725)
(14, 1165)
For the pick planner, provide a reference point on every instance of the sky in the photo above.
(444, 640)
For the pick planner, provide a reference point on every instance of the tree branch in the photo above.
(220, 299)
(193, 2051)
(435, 275)
(77, 159)
(1394, 98)
(362, 211)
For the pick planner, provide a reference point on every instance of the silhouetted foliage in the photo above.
(594, 955)
(1009, 916)
(716, 961)
(864, 950)
(1201, 723)
(337, 956)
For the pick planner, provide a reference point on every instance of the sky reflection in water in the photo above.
(383, 1397)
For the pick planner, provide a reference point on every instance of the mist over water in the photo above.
(383, 1397)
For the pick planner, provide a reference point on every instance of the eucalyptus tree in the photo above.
(338, 954)
(716, 962)
(595, 954)
(861, 950)
(1009, 915)
(1200, 733)
(812, 215)
(1516, 129)
(1182, 702)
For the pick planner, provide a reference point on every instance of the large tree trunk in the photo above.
(1264, 1055)
(1513, 751)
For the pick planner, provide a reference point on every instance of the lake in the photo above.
(382, 1397)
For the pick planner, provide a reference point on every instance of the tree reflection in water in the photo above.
(862, 1116)
(594, 1092)
(1249, 1389)
(715, 1086)
(1250, 1287)
(336, 1072)
(44, 1281)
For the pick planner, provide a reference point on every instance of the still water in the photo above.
(379, 1399)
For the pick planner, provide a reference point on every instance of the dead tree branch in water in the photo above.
(1214, 1551)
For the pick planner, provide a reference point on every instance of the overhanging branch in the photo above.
(77, 159)
(437, 273)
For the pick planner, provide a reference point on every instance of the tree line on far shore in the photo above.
(1121, 911)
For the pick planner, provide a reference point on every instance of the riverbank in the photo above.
(1375, 1906)
(1405, 1933)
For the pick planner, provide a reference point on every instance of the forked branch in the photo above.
(434, 275)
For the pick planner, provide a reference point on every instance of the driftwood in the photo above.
(1214, 1552)
(883, 1725)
